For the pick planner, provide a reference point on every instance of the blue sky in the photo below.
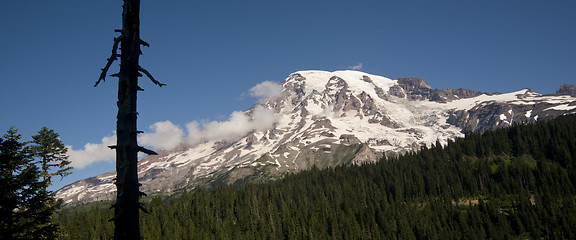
(211, 53)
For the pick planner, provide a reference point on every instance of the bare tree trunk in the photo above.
(127, 206)
(127, 213)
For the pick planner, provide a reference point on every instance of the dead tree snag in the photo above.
(127, 206)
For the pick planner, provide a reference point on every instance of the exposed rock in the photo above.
(323, 123)
(447, 95)
(368, 106)
(567, 89)
(344, 100)
(366, 155)
(328, 119)
(386, 121)
(415, 88)
(349, 139)
(492, 115)
(397, 91)
(295, 82)
(413, 84)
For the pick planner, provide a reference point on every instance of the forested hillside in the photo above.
(516, 182)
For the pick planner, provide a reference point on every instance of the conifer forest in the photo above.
(510, 183)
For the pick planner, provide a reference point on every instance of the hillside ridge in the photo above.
(326, 119)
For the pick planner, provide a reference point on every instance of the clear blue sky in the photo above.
(210, 53)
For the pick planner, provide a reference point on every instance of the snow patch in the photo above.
(563, 107)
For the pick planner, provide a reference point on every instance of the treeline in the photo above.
(517, 182)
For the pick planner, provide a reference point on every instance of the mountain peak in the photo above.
(412, 83)
(356, 80)
(325, 119)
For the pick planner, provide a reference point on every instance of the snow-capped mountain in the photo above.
(330, 118)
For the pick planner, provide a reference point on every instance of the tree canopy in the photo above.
(52, 153)
(26, 206)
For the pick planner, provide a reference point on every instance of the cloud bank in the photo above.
(238, 125)
(166, 135)
(92, 152)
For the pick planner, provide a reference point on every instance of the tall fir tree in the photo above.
(26, 207)
(52, 153)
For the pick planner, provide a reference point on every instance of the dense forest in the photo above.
(516, 182)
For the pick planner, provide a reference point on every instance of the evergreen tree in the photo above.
(52, 153)
(26, 208)
(468, 189)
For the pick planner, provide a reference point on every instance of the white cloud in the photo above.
(356, 67)
(217, 130)
(238, 125)
(266, 89)
(92, 152)
(263, 118)
(165, 135)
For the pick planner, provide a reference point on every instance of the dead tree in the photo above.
(127, 206)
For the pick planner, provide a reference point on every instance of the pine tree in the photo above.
(489, 194)
(26, 208)
(52, 153)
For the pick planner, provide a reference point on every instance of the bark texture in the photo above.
(127, 211)
(127, 206)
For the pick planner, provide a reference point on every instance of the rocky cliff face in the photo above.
(325, 119)
(505, 109)
(567, 89)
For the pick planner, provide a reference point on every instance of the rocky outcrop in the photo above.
(567, 89)
(526, 108)
(448, 95)
(326, 119)
(415, 88)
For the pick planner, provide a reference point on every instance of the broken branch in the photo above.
(110, 60)
(147, 151)
(144, 43)
(150, 76)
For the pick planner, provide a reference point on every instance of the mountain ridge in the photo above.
(326, 119)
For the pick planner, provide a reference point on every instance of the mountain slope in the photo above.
(330, 118)
(509, 183)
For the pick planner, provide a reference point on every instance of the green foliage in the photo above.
(26, 207)
(52, 153)
(505, 184)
